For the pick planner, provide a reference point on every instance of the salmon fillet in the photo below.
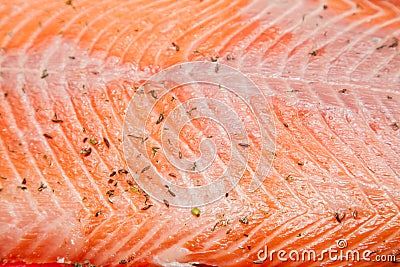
(79, 185)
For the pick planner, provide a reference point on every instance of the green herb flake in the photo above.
(289, 177)
(93, 142)
(196, 212)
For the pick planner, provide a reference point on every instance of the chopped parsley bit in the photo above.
(92, 141)
(134, 189)
(86, 151)
(44, 74)
(160, 118)
(222, 222)
(106, 142)
(42, 187)
(289, 177)
(194, 166)
(48, 136)
(196, 212)
(244, 220)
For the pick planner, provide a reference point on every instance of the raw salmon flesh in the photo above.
(289, 141)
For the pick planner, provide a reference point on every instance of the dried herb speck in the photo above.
(48, 136)
(339, 217)
(154, 149)
(244, 220)
(44, 74)
(147, 206)
(106, 142)
(152, 92)
(86, 151)
(380, 47)
(176, 46)
(244, 145)
(56, 119)
(160, 118)
(395, 43)
(42, 187)
(166, 203)
(122, 171)
(395, 126)
(355, 214)
(145, 169)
